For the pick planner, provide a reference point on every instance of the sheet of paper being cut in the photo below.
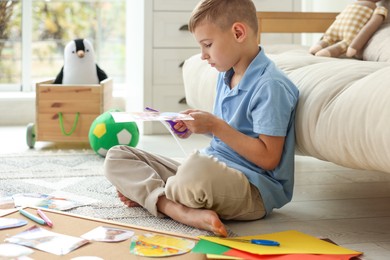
(120, 117)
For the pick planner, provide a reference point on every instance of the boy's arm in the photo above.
(264, 151)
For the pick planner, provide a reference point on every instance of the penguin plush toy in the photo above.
(79, 66)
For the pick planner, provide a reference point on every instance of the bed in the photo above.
(343, 114)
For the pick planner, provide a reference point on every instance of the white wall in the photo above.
(324, 6)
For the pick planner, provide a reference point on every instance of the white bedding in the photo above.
(343, 114)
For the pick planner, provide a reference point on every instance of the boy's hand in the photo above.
(203, 122)
(181, 127)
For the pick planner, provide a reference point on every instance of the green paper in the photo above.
(207, 247)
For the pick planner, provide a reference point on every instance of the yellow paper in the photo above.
(291, 242)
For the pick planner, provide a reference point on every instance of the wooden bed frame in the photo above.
(294, 22)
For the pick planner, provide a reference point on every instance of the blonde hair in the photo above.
(224, 13)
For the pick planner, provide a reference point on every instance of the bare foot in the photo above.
(128, 202)
(199, 218)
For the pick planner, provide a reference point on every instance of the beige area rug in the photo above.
(77, 174)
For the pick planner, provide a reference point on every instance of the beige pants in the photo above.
(199, 182)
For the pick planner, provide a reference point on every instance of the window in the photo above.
(10, 50)
(33, 35)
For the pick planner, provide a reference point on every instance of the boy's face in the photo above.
(218, 47)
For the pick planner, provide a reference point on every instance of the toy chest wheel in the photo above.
(64, 113)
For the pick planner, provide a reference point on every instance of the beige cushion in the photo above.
(343, 111)
(200, 81)
(378, 47)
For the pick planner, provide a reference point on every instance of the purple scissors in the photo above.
(171, 123)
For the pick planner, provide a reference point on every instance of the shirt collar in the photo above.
(256, 67)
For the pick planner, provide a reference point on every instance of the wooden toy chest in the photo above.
(64, 113)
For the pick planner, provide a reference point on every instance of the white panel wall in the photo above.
(324, 6)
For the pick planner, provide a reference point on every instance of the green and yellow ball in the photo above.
(105, 133)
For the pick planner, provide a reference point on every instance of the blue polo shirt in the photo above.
(263, 102)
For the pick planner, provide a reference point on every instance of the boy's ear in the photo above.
(239, 30)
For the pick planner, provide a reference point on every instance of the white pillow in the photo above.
(200, 81)
(377, 48)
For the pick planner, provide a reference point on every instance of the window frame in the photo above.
(26, 46)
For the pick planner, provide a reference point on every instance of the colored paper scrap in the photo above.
(207, 247)
(11, 223)
(51, 242)
(291, 242)
(154, 245)
(108, 234)
(12, 251)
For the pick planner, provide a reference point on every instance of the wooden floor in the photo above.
(351, 207)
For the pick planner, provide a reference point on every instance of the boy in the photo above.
(248, 168)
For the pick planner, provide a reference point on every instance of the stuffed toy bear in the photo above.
(351, 30)
(79, 66)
